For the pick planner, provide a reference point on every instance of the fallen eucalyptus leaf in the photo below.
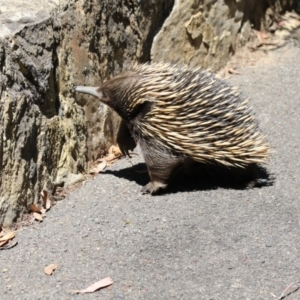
(95, 286)
(38, 217)
(8, 236)
(50, 269)
(34, 208)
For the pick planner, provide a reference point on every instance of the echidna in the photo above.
(177, 113)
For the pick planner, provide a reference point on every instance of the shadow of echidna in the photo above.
(200, 177)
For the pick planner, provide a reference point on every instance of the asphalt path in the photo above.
(196, 241)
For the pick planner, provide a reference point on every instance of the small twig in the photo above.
(283, 295)
(267, 44)
(133, 153)
(233, 71)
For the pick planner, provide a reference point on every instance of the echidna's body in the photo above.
(177, 113)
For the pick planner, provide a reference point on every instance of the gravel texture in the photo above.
(194, 242)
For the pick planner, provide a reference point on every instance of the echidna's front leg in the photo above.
(161, 164)
(125, 139)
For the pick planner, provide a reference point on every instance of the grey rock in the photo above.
(207, 33)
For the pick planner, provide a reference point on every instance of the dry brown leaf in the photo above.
(8, 236)
(8, 245)
(127, 222)
(46, 200)
(290, 24)
(113, 160)
(109, 157)
(50, 269)
(34, 208)
(98, 168)
(38, 217)
(3, 243)
(115, 150)
(100, 164)
(259, 36)
(233, 71)
(285, 294)
(110, 150)
(95, 286)
(114, 153)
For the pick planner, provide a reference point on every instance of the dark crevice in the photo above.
(231, 50)
(233, 7)
(2, 58)
(116, 47)
(2, 64)
(29, 72)
(20, 113)
(1, 155)
(119, 18)
(255, 11)
(162, 14)
(196, 43)
(56, 79)
(49, 99)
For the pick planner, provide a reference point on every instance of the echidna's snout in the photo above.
(90, 90)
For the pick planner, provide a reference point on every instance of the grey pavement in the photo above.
(193, 242)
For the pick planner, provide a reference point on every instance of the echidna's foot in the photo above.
(160, 164)
(153, 187)
(255, 176)
(260, 182)
(251, 184)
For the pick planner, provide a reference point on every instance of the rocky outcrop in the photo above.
(31, 131)
(46, 135)
(206, 33)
